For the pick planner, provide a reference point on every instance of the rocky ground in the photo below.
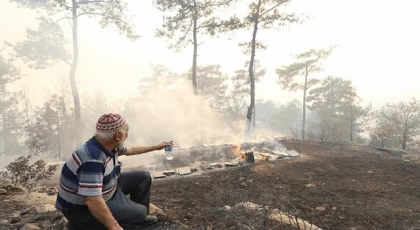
(332, 186)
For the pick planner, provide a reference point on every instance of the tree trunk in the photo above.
(253, 123)
(194, 64)
(351, 123)
(251, 68)
(304, 104)
(74, 90)
(395, 141)
(58, 134)
(405, 136)
(28, 123)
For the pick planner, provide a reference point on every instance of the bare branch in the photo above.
(65, 61)
(68, 18)
(273, 7)
(96, 14)
(186, 32)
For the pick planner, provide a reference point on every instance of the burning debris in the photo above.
(246, 154)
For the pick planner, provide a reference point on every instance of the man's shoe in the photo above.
(149, 220)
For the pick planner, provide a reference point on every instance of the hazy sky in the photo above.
(378, 47)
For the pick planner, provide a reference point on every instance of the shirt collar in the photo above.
(95, 142)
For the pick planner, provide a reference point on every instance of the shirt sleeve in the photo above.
(90, 175)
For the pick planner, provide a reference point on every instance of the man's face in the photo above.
(121, 136)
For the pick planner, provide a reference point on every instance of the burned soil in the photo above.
(333, 186)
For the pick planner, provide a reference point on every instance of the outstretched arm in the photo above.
(135, 150)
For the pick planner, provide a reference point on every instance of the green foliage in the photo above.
(338, 106)
(287, 117)
(44, 46)
(21, 172)
(110, 13)
(11, 121)
(52, 132)
(183, 18)
(306, 63)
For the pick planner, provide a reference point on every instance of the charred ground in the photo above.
(333, 186)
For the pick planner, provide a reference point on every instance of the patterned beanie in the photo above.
(109, 122)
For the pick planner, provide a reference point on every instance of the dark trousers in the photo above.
(128, 212)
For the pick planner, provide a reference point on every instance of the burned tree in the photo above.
(184, 21)
(46, 45)
(307, 62)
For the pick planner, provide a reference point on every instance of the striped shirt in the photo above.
(90, 171)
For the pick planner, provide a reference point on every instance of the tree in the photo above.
(262, 15)
(338, 106)
(403, 116)
(10, 116)
(383, 132)
(286, 118)
(51, 131)
(46, 45)
(307, 62)
(185, 20)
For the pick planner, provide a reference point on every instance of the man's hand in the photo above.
(100, 211)
(164, 145)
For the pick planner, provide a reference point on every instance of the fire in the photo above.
(236, 149)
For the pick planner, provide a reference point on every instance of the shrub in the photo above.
(20, 172)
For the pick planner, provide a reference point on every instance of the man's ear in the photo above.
(118, 136)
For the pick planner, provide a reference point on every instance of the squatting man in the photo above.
(92, 191)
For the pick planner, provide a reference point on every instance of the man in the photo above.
(92, 192)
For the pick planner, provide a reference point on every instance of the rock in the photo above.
(28, 211)
(227, 207)
(15, 219)
(45, 208)
(216, 165)
(169, 172)
(159, 175)
(320, 208)
(61, 224)
(29, 226)
(3, 191)
(3, 221)
(184, 170)
(293, 153)
(11, 188)
(310, 185)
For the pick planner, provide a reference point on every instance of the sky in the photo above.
(377, 49)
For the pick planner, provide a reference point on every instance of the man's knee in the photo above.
(138, 177)
(143, 176)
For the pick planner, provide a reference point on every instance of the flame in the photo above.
(236, 149)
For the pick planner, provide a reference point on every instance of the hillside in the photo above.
(332, 186)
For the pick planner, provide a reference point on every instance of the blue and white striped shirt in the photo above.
(90, 171)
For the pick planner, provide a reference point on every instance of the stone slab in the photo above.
(184, 170)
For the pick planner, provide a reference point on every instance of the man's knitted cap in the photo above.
(109, 122)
